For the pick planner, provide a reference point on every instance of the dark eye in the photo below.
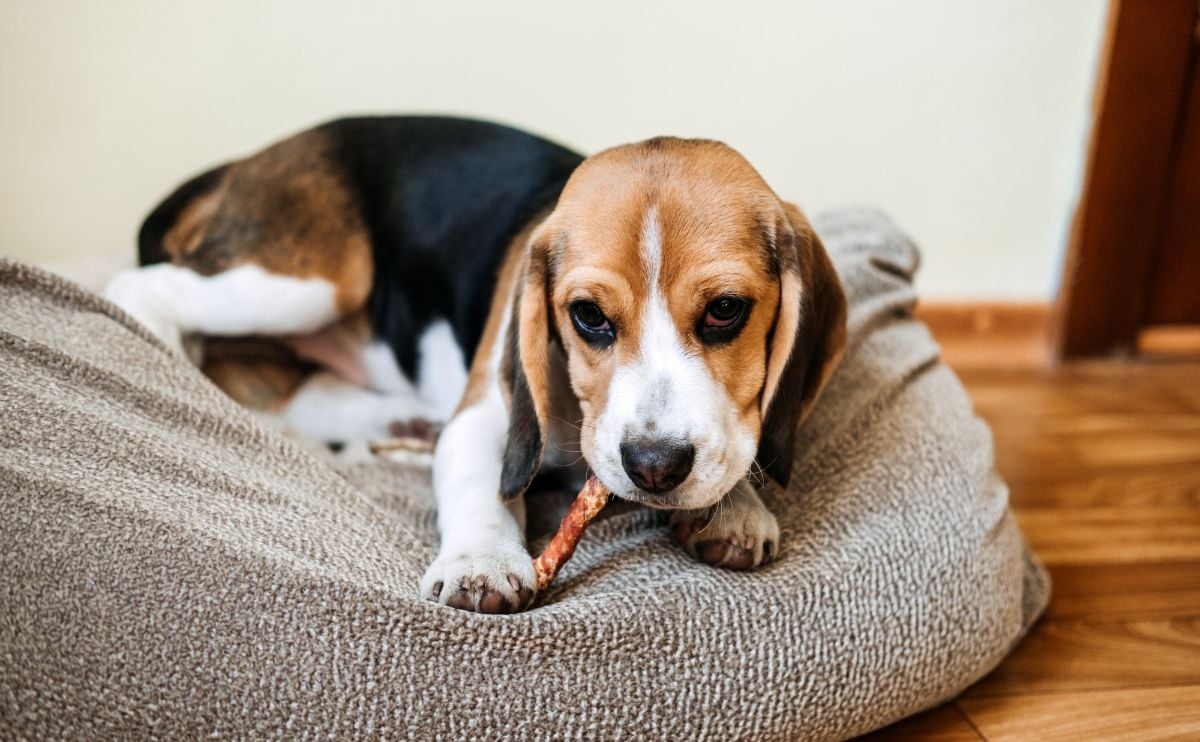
(591, 324)
(723, 319)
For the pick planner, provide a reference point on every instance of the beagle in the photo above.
(654, 307)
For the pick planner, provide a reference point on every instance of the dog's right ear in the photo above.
(198, 196)
(526, 369)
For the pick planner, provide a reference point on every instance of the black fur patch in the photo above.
(822, 315)
(442, 199)
(160, 221)
(523, 448)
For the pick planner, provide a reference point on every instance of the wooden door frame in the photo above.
(1141, 85)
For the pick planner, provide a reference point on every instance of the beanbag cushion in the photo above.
(171, 567)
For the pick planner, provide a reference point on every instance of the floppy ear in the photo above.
(806, 343)
(526, 370)
(162, 219)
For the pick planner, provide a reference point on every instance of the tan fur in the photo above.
(785, 329)
(711, 206)
(286, 209)
(719, 223)
(265, 373)
(190, 228)
(511, 268)
(816, 272)
(258, 373)
(533, 319)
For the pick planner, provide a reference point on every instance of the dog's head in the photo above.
(699, 314)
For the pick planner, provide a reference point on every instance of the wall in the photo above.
(964, 118)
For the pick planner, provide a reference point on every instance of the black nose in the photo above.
(657, 465)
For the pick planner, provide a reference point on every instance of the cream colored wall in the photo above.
(963, 118)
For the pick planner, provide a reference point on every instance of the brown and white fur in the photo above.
(668, 408)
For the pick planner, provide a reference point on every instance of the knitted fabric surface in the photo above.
(172, 567)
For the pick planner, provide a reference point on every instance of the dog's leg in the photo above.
(739, 532)
(482, 564)
(347, 349)
(246, 300)
(329, 408)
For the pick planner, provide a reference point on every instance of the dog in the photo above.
(655, 307)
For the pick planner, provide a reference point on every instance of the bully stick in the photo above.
(587, 505)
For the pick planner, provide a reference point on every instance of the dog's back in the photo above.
(408, 216)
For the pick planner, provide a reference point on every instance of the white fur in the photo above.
(668, 392)
(329, 408)
(172, 301)
(482, 538)
(442, 371)
(382, 372)
(651, 247)
(365, 414)
(247, 300)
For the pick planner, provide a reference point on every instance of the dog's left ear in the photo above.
(806, 343)
(525, 370)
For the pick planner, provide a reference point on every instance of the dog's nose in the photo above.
(657, 465)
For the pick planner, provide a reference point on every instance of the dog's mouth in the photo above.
(665, 501)
(682, 498)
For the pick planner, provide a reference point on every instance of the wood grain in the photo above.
(1137, 714)
(1010, 399)
(1174, 485)
(1088, 655)
(1141, 443)
(1111, 535)
(942, 724)
(1115, 592)
(1103, 464)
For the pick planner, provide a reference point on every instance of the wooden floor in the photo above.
(1103, 460)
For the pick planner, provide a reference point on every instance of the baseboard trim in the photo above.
(1169, 341)
(991, 335)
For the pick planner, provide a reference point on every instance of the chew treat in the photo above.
(587, 505)
(418, 436)
(404, 444)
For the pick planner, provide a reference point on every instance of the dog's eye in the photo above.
(591, 324)
(723, 319)
(723, 312)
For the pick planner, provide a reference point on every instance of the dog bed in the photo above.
(170, 567)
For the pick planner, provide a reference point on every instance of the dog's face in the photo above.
(692, 305)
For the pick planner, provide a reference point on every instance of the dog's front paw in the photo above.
(737, 533)
(498, 578)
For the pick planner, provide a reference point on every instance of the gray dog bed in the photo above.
(170, 567)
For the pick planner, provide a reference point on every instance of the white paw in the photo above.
(736, 533)
(495, 578)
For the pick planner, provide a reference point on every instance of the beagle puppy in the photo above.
(654, 312)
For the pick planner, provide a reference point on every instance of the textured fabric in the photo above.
(171, 567)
